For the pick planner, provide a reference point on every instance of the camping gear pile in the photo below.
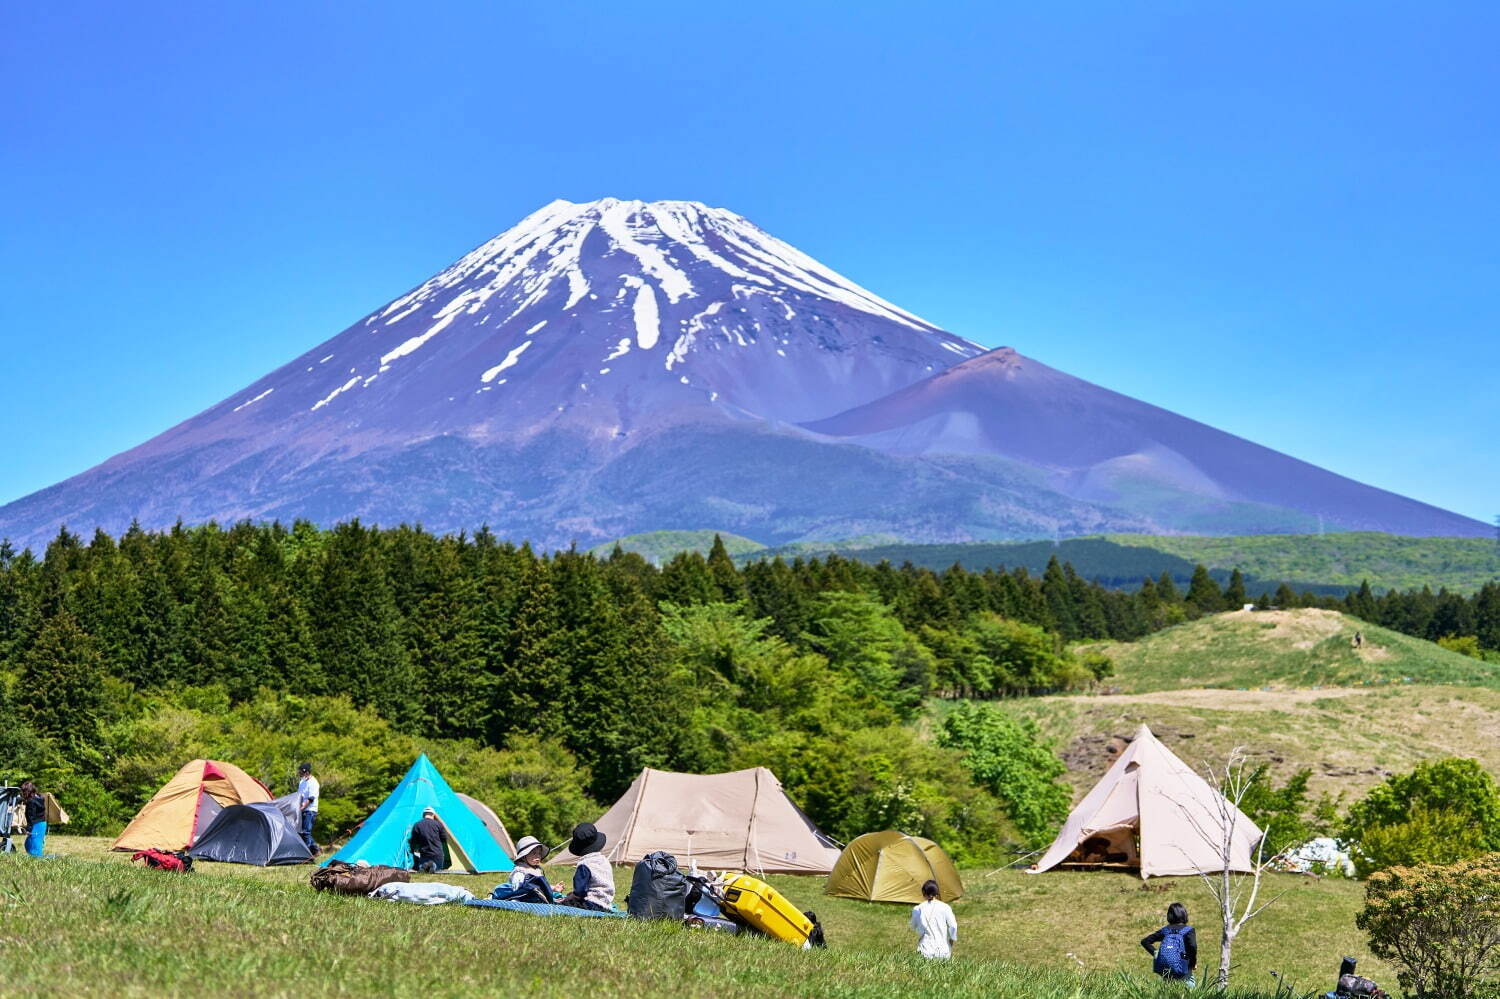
(1352, 986)
(355, 879)
(729, 902)
(175, 862)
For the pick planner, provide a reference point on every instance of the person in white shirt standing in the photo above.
(934, 924)
(308, 791)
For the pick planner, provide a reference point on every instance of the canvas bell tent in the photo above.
(181, 811)
(383, 838)
(1152, 812)
(491, 822)
(739, 821)
(258, 834)
(892, 867)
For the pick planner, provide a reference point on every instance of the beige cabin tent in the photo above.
(739, 821)
(1151, 811)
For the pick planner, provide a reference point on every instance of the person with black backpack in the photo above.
(1175, 953)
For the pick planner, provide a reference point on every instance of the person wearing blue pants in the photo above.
(308, 793)
(36, 818)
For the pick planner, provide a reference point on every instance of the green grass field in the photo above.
(90, 924)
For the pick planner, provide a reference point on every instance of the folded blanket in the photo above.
(422, 892)
(536, 909)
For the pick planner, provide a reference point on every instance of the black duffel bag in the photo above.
(658, 890)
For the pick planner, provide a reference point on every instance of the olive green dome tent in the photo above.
(891, 867)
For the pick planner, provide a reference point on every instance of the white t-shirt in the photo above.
(308, 789)
(936, 928)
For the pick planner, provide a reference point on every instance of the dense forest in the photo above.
(544, 682)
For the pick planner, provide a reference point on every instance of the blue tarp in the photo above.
(537, 909)
(383, 838)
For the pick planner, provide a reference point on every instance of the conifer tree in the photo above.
(725, 576)
(1203, 593)
(61, 686)
(1234, 593)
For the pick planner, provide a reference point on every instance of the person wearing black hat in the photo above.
(594, 879)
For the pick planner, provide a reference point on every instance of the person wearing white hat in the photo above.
(427, 843)
(530, 853)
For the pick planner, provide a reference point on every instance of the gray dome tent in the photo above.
(258, 834)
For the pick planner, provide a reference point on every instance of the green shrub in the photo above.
(1429, 836)
(1442, 811)
(1440, 925)
(1006, 757)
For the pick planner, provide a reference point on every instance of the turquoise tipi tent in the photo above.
(383, 838)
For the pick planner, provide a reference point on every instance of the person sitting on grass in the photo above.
(594, 879)
(528, 882)
(427, 843)
(935, 925)
(1176, 953)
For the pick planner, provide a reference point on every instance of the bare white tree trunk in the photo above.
(1235, 893)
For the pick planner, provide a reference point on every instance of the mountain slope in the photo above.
(1102, 447)
(613, 367)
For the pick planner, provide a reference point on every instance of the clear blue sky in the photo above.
(1279, 218)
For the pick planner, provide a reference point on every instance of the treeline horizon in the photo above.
(549, 680)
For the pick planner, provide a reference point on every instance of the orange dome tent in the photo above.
(175, 817)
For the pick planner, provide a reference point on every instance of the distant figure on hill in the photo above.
(935, 925)
(427, 843)
(1359, 640)
(308, 792)
(1177, 954)
(36, 818)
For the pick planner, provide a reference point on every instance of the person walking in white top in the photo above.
(934, 924)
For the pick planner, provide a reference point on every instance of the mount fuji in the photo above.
(617, 366)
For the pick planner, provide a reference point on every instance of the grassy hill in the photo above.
(1291, 689)
(96, 926)
(660, 546)
(1295, 648)
(1322, 563)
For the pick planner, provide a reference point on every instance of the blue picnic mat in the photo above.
(538, 909)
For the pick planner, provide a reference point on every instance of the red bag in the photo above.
(177, 863)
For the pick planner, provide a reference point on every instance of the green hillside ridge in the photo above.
(659, 546)
(1019, 936)
(1388, 561)
(1325, 564)
(1308, 647)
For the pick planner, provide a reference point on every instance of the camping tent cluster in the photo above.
(1150, 812)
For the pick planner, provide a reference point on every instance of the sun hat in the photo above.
(527, 844)
(586, 839)
(429, 810)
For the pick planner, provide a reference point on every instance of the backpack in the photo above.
(176, 862)
(658, 890)
(1171, 955)
(531, 889)
(350, 879)
(1355, 987)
